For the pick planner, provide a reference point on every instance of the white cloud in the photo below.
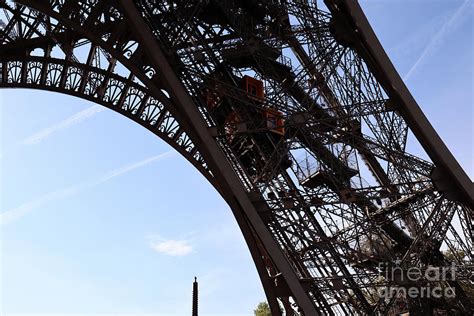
(66, 123)
(22, 210)
(171, 247)
(449, 26)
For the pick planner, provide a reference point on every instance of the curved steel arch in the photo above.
(59, 30)
(151, 107)
(110, 90)
(133, 102)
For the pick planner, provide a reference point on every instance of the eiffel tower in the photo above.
(293, 111)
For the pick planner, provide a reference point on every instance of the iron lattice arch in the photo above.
(293, 112)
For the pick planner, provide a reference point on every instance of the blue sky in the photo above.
(97, 215)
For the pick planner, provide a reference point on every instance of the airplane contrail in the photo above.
(14, 214)
(450, 25)
(66, 123)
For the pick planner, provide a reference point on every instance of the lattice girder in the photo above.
(87, 80)
(354, 196)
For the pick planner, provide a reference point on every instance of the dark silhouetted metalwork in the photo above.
(195, 297)
(294, 113)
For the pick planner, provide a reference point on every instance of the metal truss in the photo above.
(38, 52)
(316, 169)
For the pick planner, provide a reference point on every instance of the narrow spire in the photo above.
(195, 297)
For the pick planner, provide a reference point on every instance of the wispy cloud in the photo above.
(170, 247)
(49, 131)
(449, 26)
(22, 210)
(14, 214)
(131, 167)
(66, 123)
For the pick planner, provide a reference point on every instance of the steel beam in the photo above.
(214, 155)
(448, 174)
